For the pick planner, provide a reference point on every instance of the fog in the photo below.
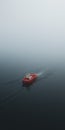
(32, 29)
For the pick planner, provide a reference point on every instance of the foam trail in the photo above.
(43, 74)
(40, 74)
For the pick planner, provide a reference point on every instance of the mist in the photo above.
(32, 30)
(32, 40)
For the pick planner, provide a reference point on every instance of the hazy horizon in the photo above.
(32, 29)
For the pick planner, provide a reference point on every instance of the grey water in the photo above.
(40, 105)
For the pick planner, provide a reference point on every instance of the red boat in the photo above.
(29, 78)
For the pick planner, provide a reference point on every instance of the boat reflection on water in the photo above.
(27, 85)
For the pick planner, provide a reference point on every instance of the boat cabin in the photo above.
(28, 76)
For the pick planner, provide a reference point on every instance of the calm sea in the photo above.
(42, 105)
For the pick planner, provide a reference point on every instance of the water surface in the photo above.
(41, 104)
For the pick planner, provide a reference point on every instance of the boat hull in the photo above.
(29, 81)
